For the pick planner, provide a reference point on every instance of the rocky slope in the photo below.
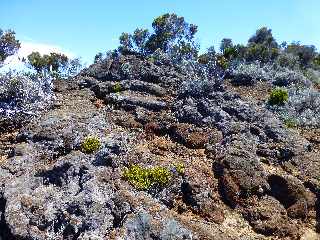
(242, 174)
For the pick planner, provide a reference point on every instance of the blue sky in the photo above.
(84, 27)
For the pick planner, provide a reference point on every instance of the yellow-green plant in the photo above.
(90, 145)
(179, 167)
(144, 178)
(117, 88)
(290, 123)
(278, 96)
(222, 62)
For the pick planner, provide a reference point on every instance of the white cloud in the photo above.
(15, 62)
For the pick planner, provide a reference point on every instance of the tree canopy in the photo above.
(171, 35)
(54, 63)
(8, 44)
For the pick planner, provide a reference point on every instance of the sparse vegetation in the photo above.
(22, 93)
(290, 123)
(144, 178)
(117, 87)
(90, 145)
(56, 65)
(8, 44)
(172, 36)
(186, 147)
(278, 96)
(180, 168)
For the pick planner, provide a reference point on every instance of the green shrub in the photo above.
(278, 96)
(144, 178)
(117, 88)
(230, 53)
(180, 168)
(90, 145)
(290, 123)
(222, 62)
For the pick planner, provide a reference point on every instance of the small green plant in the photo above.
(179, 167)
(144, 178)
(90, 145)
(278, 96)
(222, 62)
(290, 123)
(117, 88)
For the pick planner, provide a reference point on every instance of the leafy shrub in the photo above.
(284, 77)
(264, 37)
(290, 123)
(222, 62)
(305, 53)
(303, 106)
(248, 74)
(172, 36)
(198, 88)
(8, 44)
(312, 75)
(180, 168)
(278, 96)
(230, 53)
(24, 93)
(316, 61)
(117, 87)
(288, 60)
(225, 44)
(144, 178)
(259, 52)
(90, 145)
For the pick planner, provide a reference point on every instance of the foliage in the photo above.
(225, 44)
(90, 145)
(249, 73)
(283, 77)
(101, 57)
(260, 52)
(54, 64)
(230, 53)
(288, 60)
(290, 123)
(316, 61)
(140, 39)
(117, 87)
(261, 47)
(222, 62)
(48, 63)
(303, 106)
(278, 96)
(171, 35)
(8, 44)
(263, 36)
(126, 44)
(98, 57)
(180, 168)
(208, 57)
(74, 67)
(313, 75)
(144, 178)
(21, 92)
(198, 88)
(305, 53)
